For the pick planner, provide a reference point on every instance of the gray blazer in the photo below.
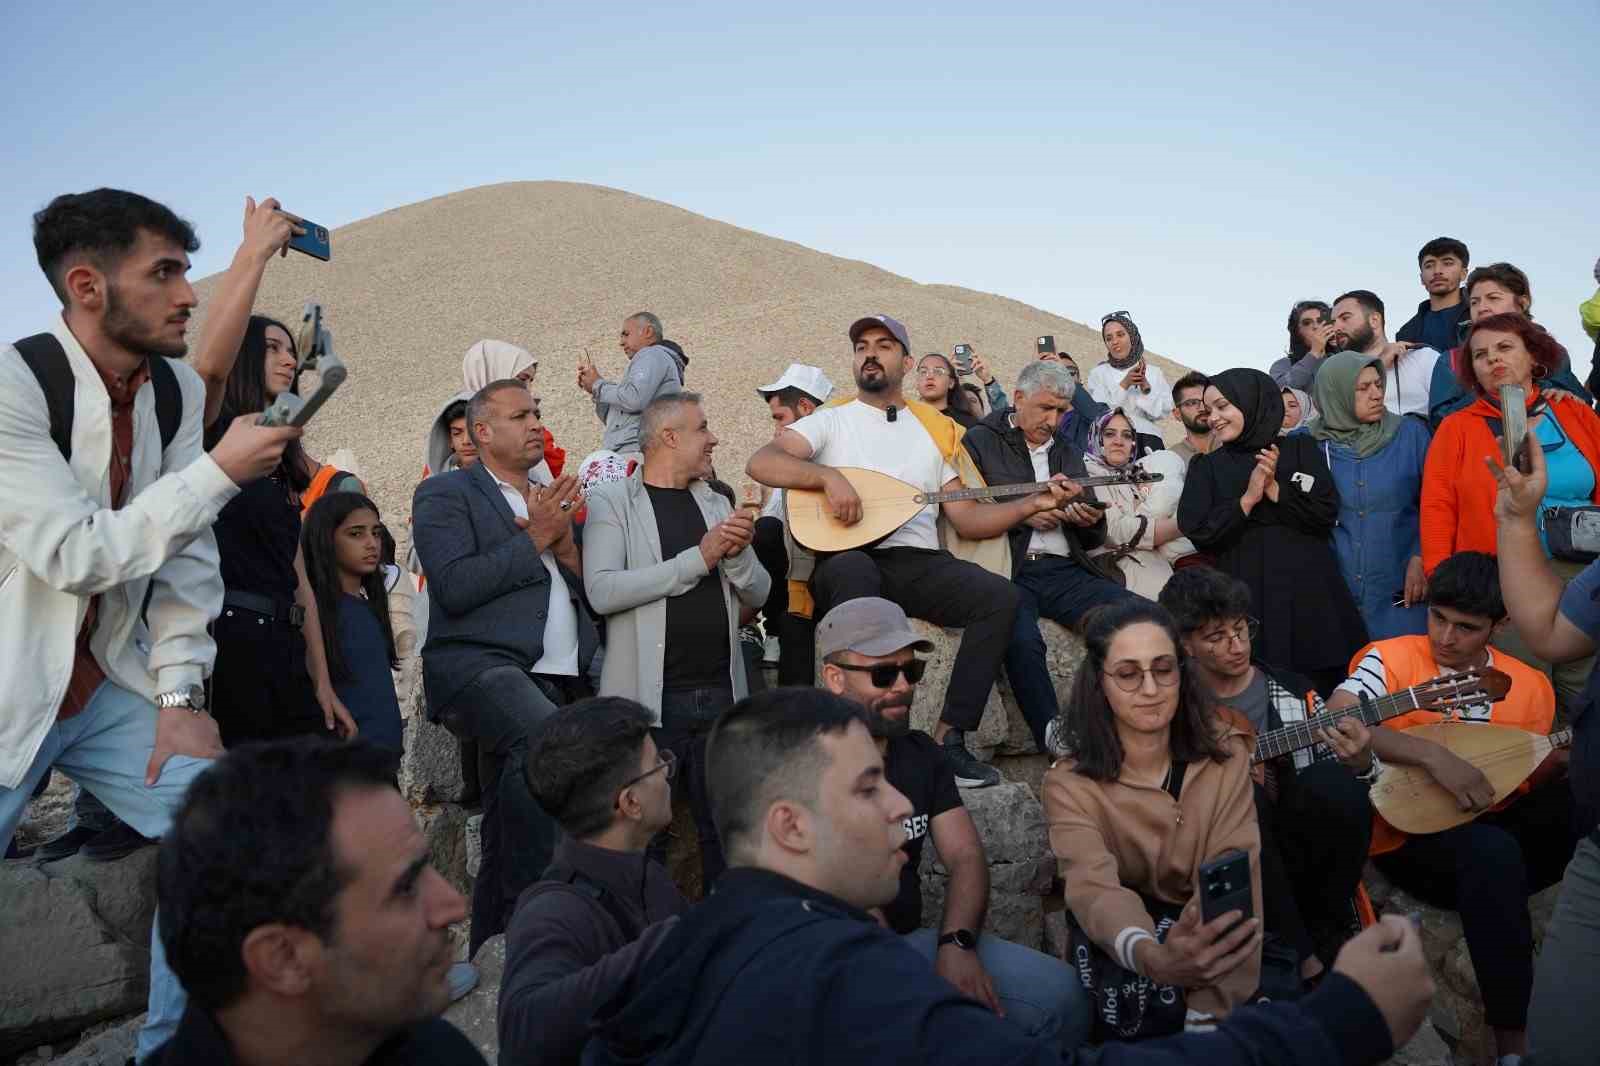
(629, 582)
(488, 591)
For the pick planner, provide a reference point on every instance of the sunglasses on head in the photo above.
(882, 675)
(1115, 315)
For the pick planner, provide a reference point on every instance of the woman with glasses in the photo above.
(1130, 381)
(1376, 458)
(1458, 486)
(939, 387)
(1142, 537)
(1157, 784)
(1264, 507)
(1310, 331)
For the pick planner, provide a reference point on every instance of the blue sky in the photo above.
(1202, 168)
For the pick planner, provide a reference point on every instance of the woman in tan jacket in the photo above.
(1157, 785)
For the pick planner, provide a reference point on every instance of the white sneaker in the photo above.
(769, 650)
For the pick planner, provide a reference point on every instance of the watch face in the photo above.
(197, 697)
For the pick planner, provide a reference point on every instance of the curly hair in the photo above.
(1087, 722)
(252, 845)
(1297, 344)
(1546, 351)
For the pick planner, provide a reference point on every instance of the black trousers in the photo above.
(498, 711)
(260, 688)
(797, 645)
(1485, 871)
(687, 716)
(1314, 841)
(939, 588)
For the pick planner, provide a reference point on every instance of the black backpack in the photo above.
(48, 361)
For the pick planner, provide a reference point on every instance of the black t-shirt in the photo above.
(697, 621)
(915, 766)
(257, 533)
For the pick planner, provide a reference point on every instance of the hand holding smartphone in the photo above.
(1514, 427)
(313, 240)
(963, 359)
(1225, 886)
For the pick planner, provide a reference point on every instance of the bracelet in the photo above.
(1372, 771)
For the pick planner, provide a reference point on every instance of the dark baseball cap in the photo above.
(868, 626)
(861, 325)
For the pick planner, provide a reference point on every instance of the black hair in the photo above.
(1468, 582)
(388, 549)
(1297, 344)
(454, 411)
(1511, 278)
(954, 397)
(245, 392)
(723, 489)
(317, 535)
(1192, 380)
(1367, 299)
(580, 757)
(251, 845)
(765, 748)
(103, 225)
(1089, 727)
(790, 396)
(1196, 596)
(1445, 246)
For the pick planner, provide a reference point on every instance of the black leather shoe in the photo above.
(118, 842)
(66, 845)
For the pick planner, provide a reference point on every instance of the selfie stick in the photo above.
(316, 347)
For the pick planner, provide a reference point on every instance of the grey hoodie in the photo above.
(653, 371)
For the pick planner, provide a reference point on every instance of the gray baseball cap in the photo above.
(896, 330)
(867, 626)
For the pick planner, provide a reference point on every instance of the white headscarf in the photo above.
(489, 361)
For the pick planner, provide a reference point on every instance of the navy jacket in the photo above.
(770, 971)
(488, 591)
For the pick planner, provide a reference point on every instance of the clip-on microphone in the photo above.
(892, 412)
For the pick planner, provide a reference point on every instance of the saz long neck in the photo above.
(1032, 488)
(1276, 742)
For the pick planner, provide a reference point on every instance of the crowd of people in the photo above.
(1327, 572)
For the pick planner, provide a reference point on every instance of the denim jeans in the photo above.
(1038, 992)
(687, 716)
(1568, 973)
(105, 748)
(498, 710)
(1058, 589)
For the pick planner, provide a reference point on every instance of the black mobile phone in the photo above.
(1047, 344)
(963, 359)
(1225, 886)
(313, 242)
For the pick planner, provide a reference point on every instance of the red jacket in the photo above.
(1458, 488)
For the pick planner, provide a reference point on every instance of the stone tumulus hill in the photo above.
(554, 267)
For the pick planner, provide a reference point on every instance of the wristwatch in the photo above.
(964, 939)
(192, 698)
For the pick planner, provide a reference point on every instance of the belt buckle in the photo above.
(297, 615)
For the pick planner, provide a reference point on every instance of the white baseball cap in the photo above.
(808, 379)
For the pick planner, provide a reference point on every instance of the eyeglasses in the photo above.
(1195, 402)
(933, 372)
(669, 763)
(882, 675)
(1245, 632)
(1129, 677)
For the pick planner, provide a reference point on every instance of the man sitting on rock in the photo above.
(1486, 869)
(300, 910)
(785, 964)
(867, 651)
(581, 933)
(1316, 820)
(879, 430)
(1049, 561)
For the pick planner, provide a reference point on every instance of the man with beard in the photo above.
(1407, 372)
(867, 651)
(880, 430)
(666, 559)
(102, 514)
(1442, 266)
(1191, 411)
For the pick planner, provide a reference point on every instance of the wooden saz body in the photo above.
(887, 503)
(1409, 799)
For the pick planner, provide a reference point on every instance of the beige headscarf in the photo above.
(489, 361)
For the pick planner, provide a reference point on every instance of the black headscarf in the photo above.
(1258, 398)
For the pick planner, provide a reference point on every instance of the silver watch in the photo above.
(192, 698)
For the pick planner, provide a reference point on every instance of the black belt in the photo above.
(266, 606)
(1031, 556)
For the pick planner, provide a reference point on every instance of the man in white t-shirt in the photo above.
(797, 393)
(1407, 373)
(876, 431)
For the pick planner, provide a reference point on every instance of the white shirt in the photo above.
(560, 658)
(1406, 384)
(855, 434)
(1052, 541)
(1146, 409)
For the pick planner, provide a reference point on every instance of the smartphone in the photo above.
(1225, 886)
(1514, 415)
(963, 359)
(1046, 344)
(313, 242)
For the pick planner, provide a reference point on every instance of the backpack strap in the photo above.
(608, 902)
(169, 399)
(48, 361)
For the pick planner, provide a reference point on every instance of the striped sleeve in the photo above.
(1368, 678)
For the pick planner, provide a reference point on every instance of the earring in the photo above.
(1539, 372)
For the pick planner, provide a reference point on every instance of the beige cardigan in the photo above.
(1114, 840)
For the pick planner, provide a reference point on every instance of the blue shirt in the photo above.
(1571, 481)
(1580, 605)
(1440, 328)
(368, 693)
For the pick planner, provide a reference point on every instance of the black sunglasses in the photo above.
(882, 675)
(1114, 316)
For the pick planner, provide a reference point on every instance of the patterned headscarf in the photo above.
(1095, 449)
(1136, 342)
